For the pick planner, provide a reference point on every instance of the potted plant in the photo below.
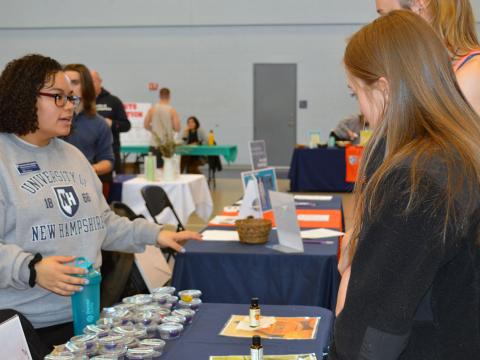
(167, 149)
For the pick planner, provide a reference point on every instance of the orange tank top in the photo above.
(457, 65)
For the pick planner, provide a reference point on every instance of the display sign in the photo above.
(258, 154)
(137, 135)
(288, 230)
(266, 180)
(251, 200)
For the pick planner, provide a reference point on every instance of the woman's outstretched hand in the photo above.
(175, 240)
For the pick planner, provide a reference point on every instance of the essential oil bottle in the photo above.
(256, 349)
(254, 313)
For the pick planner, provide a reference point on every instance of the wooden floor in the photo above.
(228, 191)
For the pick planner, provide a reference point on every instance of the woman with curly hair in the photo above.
(51, 205)
(414, 286)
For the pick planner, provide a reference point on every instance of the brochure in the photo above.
(271, 327)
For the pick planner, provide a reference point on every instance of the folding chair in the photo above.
(122, 209)
(156, 200)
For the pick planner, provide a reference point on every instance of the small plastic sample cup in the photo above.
(131, 331)
(170, 331)
(194, 304)
(187, 313)
(126, 306)
(145, 318)
(172, 300)
(111, 344)
(160, 298)
(64, 355)
(98, 330)
(170, 290)
(118, 354)
(156, 344)
(167, 306)
(162, 312)
(189, 295)
(144, 353)
(140, 299)
(83, 344)
(131, 342)
(175, 319)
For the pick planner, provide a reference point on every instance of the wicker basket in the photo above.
(253, 231)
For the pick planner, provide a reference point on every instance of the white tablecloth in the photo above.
(188, 194)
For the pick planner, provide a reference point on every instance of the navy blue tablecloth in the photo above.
(318, 170)
(117, 186)
(232, 272)
(201, 340)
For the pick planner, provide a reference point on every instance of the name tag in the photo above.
(28, 167)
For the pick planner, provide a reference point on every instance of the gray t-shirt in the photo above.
(51, 202)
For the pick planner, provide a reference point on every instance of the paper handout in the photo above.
(314, 197)
(220, 235)
(320, 233)
(223, 220)
(12, 340)
(267, 357)
(313, 217)
(271, 327)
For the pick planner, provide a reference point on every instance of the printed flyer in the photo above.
(268, 357)
(285, 328)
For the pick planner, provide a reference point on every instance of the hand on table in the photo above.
(55, 276)
(352, 135)
(175, 240)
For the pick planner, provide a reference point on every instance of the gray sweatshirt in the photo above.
(51, 203)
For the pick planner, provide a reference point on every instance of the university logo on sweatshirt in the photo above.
(67, 200)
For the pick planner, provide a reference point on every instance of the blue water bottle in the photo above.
(86, 303)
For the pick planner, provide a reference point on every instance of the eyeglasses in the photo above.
(61, 100)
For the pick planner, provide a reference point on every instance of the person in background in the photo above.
(111, 108)
(90, 132)
(454, 22)
(47, 183)
(385, 6)
(349, 129)
(162, 121)
(414, 286)
(192, 135)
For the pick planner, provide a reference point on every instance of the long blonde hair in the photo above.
(425, 117)
(454, 21)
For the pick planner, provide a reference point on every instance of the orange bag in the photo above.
(353, 154)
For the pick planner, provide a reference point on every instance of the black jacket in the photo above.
(110, 106)
(413, 294)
